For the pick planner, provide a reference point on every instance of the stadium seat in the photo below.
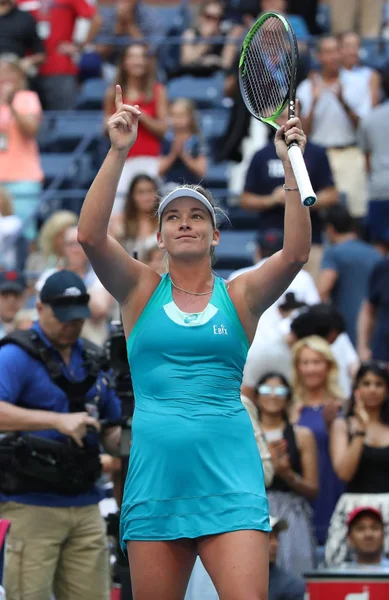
(213, 122)
(206, 92)
(235, 250)
(70, 129)
(217, 175)
(91, 95)
(58, 166)
(240, 218)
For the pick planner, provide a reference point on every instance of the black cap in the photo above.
(318, 319)
(12, 281)
(66, 293)
(290, 302)
(270, 240)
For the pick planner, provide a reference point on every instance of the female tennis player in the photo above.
(195, 482)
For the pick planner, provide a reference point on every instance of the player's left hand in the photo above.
(292, 131)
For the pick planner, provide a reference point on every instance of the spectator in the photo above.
(282, 585)
(297, 22)
(154, 257)
(183, 151)
(331, 110)
(366, 537)
(360, 455)
(346, 267)
(373, 319)
(201, 57)
(139, 86)
(12, 288)
(308, 10)
(294, 457)
(326, 321)
(369, 79)
(10, 233)
(19, 37)
(50, 254)
(317, 400)
(263, 191)
(136, 227)
(25, 318)
(373, 139)
(357, 15)
(56, 26)
(20, 117)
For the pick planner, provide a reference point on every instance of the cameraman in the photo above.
(57, 542)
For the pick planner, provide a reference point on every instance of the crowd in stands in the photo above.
(316, 381)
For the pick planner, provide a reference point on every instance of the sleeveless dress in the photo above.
(194, 468)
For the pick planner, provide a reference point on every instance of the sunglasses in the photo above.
(267, 390)
(212, 17)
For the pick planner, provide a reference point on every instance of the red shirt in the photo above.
(56, 20)
(147, 144)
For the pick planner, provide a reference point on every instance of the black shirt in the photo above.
(18, 34)
(279, 484)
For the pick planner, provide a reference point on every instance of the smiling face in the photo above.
(372, 390)
(272, 396)
(313, 368)
(187, 229)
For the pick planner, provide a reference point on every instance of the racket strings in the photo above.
(268, 68)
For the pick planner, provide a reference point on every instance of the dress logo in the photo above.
(191, 318)
(220, 330)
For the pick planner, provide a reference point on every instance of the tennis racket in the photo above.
(267, 79)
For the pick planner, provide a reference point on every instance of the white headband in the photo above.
(183, 192)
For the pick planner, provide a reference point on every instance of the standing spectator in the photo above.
(373, 320)
(183, 151)
(369, 79)
(20, 117)
(136, 76)
(360, 455)
(364, 16)
(56, 26)
(345, 268)
(282, 584)
(263, 191)
(373, 139)
(294, 457)
(19, 36)
(317, 399)
(136, 227)
(331, 110)
(12, 288)
(366, 538)
(308, 10)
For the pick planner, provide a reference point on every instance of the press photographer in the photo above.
(53, 389)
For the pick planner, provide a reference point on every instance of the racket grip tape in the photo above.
(308, 196)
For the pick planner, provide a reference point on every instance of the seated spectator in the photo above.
(360, 455)
(19, 37)
(365, 538)
(183, 151)
(294, 457)
(50, 253)
(20, 117)
(136, 227)
(297, 22)
(373, 320)
(369, 79)
(346, 267)
(201, 57)
(282, 584)
(331, 110)
(373, 140)
(12, 288)
(357, 15)
(137, 79)
(263, 191)
(317, 401)
(10, 233)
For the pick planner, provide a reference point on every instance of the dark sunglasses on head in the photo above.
(278, 390)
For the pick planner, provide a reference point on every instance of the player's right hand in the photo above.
(123, 125)
(75, 425)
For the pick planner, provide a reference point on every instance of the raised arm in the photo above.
(255, 291)
(117, 271)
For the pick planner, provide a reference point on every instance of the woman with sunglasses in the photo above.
(294, 456)
(359, 447)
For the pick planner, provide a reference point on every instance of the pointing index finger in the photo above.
(118, 98)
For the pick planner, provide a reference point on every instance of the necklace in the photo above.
(191, 293)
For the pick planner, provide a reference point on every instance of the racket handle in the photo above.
(308, 196)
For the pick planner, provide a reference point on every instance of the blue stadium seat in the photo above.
(217, 175)
(55, 165)
(175, 18)
(213, 122)
(91, 95)
(235, 250)
(240, 218)
(374, 53)
(72, 128)
(206, 92)
(323, 17)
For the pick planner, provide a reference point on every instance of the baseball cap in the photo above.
(278, 524)
(363, 510)
(271, 239)
(67, 295)
(12, 281)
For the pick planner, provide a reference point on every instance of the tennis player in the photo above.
(195, 482)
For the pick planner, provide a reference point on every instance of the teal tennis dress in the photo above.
(194, 465)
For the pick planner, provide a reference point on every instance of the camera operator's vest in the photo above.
(29, 463)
